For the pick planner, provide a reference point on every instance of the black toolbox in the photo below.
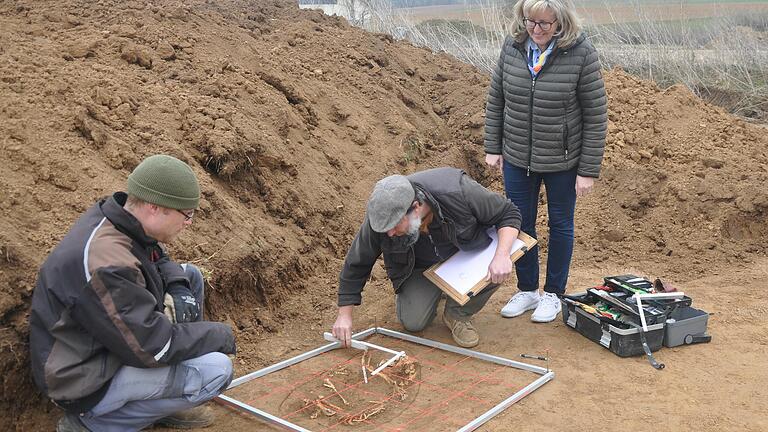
(620, 338)
(670, 322)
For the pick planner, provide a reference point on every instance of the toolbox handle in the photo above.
(699, 338)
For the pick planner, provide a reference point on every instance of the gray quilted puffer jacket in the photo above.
(553, 123)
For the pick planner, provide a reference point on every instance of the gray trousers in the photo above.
(418, 298)
(138, 397)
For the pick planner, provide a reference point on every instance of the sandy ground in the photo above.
(716, 386)
(289, 117)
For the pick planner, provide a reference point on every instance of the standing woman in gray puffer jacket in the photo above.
(546, 121)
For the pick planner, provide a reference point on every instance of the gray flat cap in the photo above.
(390, 200)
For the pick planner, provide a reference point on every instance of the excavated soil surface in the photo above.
(288, 118)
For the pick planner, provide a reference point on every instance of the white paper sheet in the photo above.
(465, 269)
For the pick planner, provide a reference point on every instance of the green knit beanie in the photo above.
(165, 181)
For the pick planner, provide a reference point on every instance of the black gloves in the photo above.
(180, 305)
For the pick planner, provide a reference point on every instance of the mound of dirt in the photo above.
(288, 117)
(682, 179)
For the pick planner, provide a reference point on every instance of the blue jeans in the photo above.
(138, 397)
(523, 190)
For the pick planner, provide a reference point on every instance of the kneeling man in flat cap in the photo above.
(415, 222)
(117, 336)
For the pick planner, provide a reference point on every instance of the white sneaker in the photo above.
(519, 303)
(548, 308)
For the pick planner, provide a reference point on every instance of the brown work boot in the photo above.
(70, 423)
(198, 417)
(463, 332)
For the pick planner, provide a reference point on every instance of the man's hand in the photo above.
(500, 269)
(342, 328)
(494, 161)
(180, 305)
(501, 265)
(584, 185)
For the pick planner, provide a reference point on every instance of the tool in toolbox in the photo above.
(611, 299)
(654, 296)
(648, 354)
(661, 286)
(590, 309)
(656, 310)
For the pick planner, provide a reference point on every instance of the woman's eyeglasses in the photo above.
(543, 25)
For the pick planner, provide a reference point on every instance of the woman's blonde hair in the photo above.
(568, 23)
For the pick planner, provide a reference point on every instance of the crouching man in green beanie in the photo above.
(117, 336)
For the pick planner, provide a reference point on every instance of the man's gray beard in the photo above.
(412, 236)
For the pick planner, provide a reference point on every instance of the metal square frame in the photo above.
(546, 376)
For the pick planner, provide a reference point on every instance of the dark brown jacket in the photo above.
(98, 305)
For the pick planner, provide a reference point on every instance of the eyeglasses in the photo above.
(543, 25)
(410, 209)
(187, 216)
